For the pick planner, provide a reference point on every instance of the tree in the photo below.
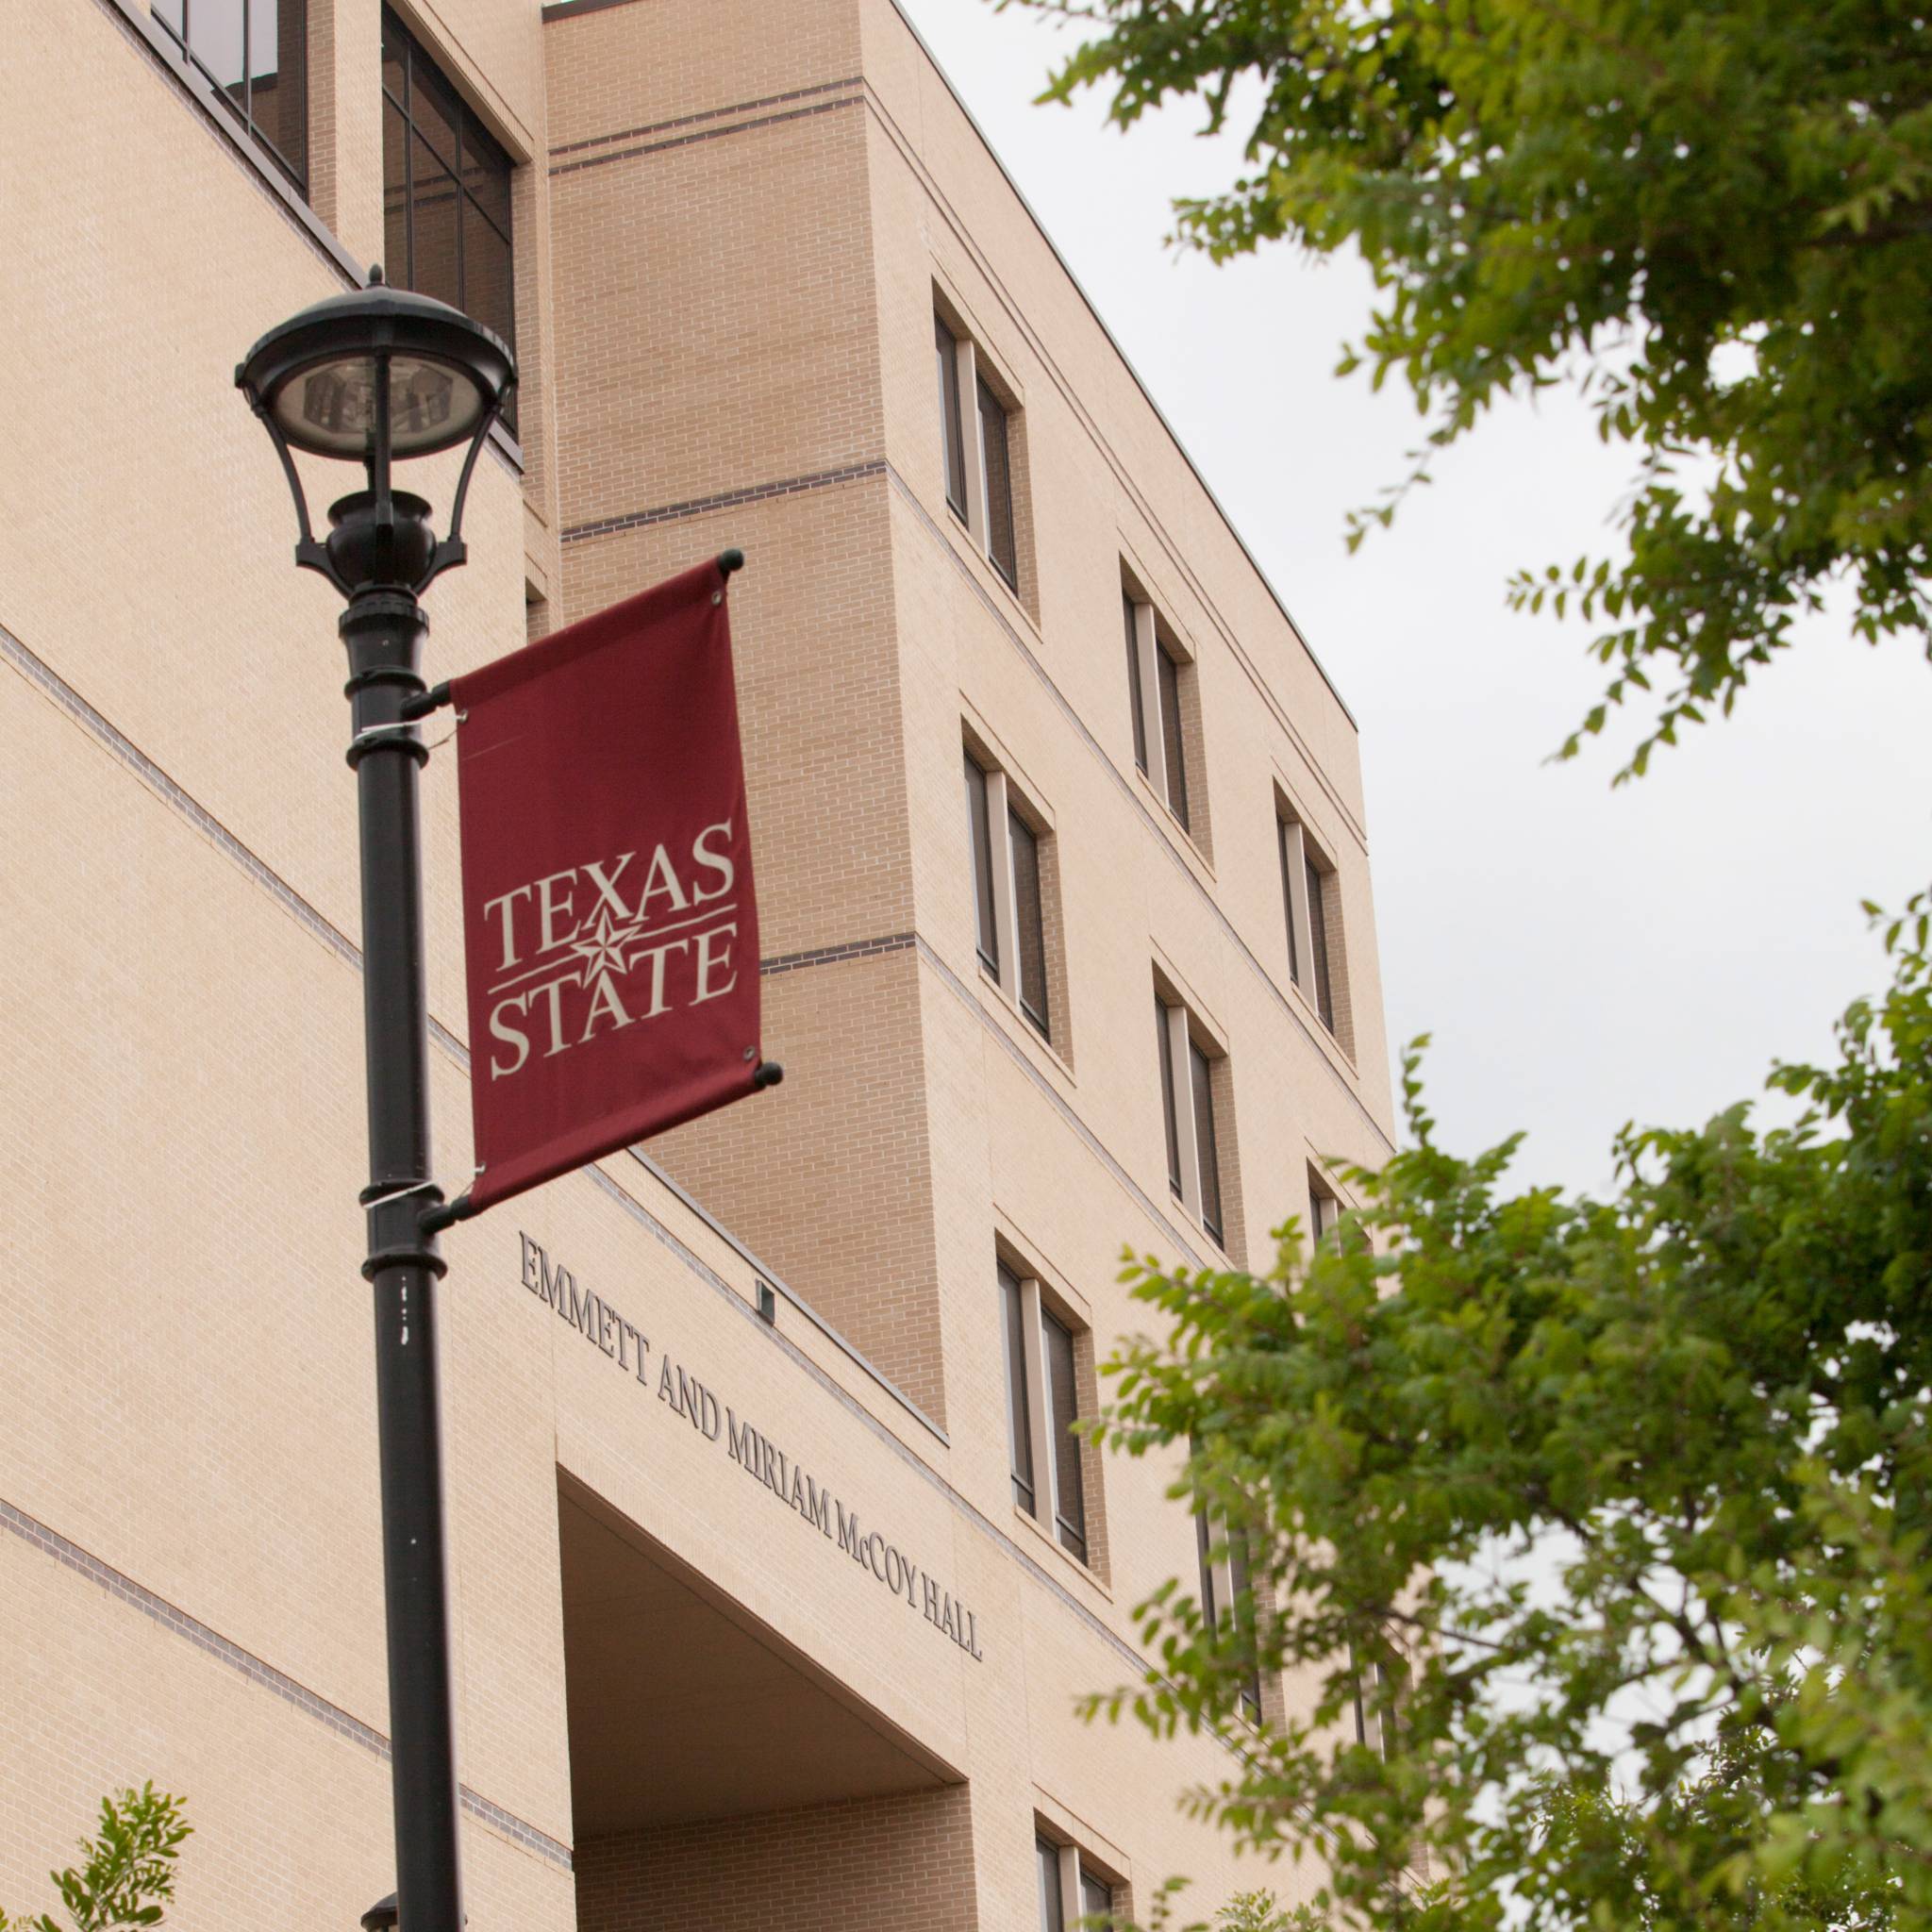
(1601, 1525)
(1714, 217)
(127, 1873)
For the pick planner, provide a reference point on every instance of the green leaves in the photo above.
(126, 1871)
(1715, 219)
(1610, 1519)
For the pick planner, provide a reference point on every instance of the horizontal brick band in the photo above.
(658, 147)
(797, 93)
(50, 1542)
(827, 955)
(726, 499)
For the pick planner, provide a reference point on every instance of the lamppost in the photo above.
(376, 377)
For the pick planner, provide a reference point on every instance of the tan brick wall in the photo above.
(861, 1865)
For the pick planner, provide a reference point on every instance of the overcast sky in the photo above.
(1582, 957)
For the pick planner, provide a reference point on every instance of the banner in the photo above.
(610, 931)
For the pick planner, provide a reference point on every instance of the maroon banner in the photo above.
(610, 931)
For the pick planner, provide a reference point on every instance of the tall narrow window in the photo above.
(1164, 1048)
(1001, 549)
(1019, 1416)
(257, 52)
(1318, 946)
(984, 899)
(1187, 1101)
(1051, 1913)
(1135, 699)
(1323, 1208)
(1242, 1605)
(1171, 741)
(1012, 904)
(1228, 1589)
(1063, 1411)
(447, 191)
(952, 431)
(1285, 839)
(1202, 1075)
(1096, 1895)
(1315, 958)
(978, 450)
(1029, 920)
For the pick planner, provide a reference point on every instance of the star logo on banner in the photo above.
(603, 948)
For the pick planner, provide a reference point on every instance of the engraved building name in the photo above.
(779, 1475)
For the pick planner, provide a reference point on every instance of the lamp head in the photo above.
(381, 1916)
(321, 374)
(377, 375)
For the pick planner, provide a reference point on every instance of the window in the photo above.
(1053, 1916)
(447, 191)
(1011, 897)
(1042, 1404)
(1187, 1099)
(978, 457)
(1323, 1210)
(952, 435)
(257, 52)
(1159, 692)
(1071, 1888)
(1307, 881)
(1227, 1591)
(1378, 1689)
(1018, 1414)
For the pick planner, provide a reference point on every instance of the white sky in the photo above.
(1582, 957)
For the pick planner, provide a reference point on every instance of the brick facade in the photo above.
(735, 221)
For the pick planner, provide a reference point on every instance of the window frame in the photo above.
(970, 391)
(1020, 908)
(467, 135)
(1055, 1454)
(181, 39)
(1306, 870)
(1064, 1872)
(1160, 674)
(1186, 1054)
(1225, 1579)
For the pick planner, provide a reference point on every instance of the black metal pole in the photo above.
(384, 629)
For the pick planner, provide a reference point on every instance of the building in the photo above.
(777, 1573)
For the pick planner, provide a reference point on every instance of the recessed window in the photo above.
(1323, 1210)
(257, 52)
(1310, 903)
(1043, 1377)
(978, 452)
(1161, 704)
(1227, 1591)
(1189, 1114)
(1014, 913)
(447, 191)
(1071, 1887)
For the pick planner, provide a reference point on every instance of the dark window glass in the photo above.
(1173, 1134)
(1032, 926)
(1203, 1547)
(257, 52)
(446, 191)
(1134, 694)
(1051, 1915)
(1294, 951)
(1318, 946)
(1097, 1896)
(1019, 1420)
(952, 431)
(1241, 1581)
(999, 486)
(1204, 1140)
(985, 922)
(1063, 1411)
(1320, 1212)
(1170, 730)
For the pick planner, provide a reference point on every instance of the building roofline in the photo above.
(1126, 361)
